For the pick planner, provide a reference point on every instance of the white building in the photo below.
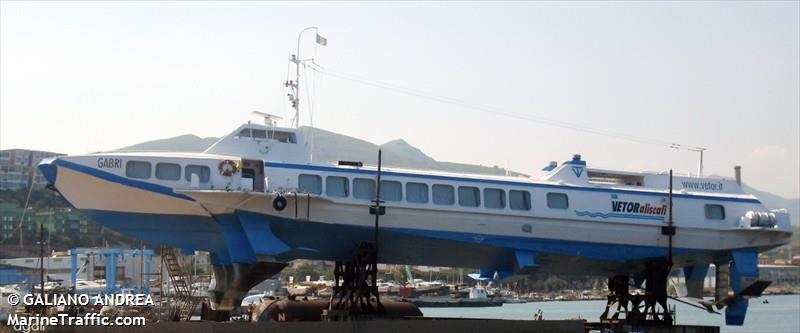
(15, 167)
(130, 269)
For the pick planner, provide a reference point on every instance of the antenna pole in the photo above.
(670, 222)
(701, 162)
(699, 167)
(41, 259)
(295, 97)
(378, 207)
(669, 229)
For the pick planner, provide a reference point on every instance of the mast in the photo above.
(670, 223)
(41, 259)
(669, 229)
(294, 96)
(378, 209)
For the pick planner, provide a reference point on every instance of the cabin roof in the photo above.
(644, 173)
(167, 154)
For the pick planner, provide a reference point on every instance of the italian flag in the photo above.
(322, 40)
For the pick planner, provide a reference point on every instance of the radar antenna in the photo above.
(269, 119)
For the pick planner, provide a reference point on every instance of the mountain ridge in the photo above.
(182, 143)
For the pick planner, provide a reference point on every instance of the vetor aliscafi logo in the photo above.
(578, 171)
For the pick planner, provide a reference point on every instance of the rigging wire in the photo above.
(308, 98)
(312, 97)
(310, 113)
(494, 110)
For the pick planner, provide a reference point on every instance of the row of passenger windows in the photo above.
(444, 195)
(364, 188)
(166, 171)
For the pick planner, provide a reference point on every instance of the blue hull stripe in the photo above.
(618, 215)
(288, 239)
(118, 179)
(313, 234)
(500, 182)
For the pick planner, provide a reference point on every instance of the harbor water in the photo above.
(780, 314)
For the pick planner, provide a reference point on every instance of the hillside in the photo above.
(182, 143)
(333, 147)
(773, 201)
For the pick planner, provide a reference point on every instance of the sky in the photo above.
(78, 77)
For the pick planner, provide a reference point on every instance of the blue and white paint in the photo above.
(575, 219)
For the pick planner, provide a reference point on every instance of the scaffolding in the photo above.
(111, 256)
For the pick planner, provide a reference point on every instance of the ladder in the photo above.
(181, 282)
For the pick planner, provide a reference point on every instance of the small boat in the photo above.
(5, 306)
(514, 300)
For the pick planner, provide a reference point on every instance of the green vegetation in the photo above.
(64, 227)
(41, 199)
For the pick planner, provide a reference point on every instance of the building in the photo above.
(12, 275)
(62, 222)
(781, 276)
(16, 165)
(129, 269)
(10, 217)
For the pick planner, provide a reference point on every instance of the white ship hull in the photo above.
(575, 220)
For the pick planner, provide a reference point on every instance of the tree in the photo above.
(553, 283)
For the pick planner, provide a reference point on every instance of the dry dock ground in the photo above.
(400, 326)
(431, 325)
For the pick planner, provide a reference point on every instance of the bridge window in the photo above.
(364, 188)
(494, 198)
(168, 171)
(417, 192)
(138, 169)
(203, 172)
(469, 196)
(253, 133)
(280, 136)
(285, 137)
(391, 190)
(715, 212)
(557, 200)
(519, 200)
(443, 195)
(337, 186)
(311, 184)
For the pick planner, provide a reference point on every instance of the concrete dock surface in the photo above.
(427, 325)
(399, 326)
